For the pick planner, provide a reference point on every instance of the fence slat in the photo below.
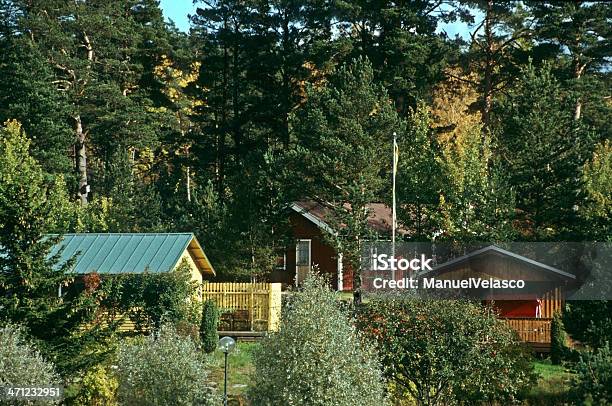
(259, 301)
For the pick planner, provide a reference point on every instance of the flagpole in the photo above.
(393, 216)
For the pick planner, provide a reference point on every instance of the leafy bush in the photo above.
(317, 357)
(593, 382)
(21, 363)
(438, 352)
(98, 387)
(151, 298)
(208, 327)
(558, 340)
(162, 369)
(589, 321)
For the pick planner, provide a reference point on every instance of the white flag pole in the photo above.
(393, 215)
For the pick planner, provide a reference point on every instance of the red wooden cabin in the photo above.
(528, 311)
(309, 225)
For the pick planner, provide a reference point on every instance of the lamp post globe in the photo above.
(226, 345)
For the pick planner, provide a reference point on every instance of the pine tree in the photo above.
(542, 149)
(31, 206)
(500, 41)
(400, 40)
(104, 72)
(345, 135)
(576, 35)
(28, 95)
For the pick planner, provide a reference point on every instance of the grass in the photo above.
(553, 385)
(240, 367)
(548, 371)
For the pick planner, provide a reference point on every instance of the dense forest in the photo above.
(134, 126)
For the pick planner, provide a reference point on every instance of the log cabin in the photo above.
(309, 226)
(120, 253)
(528, 311)
(117, 253)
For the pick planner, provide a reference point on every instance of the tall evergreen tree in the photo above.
(104, 72)
(500, 42)
(344, 134)
(577, 34)
(400, 39)
(27, 94)
(31, 206)
(543, 148)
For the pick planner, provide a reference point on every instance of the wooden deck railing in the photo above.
(531, 330)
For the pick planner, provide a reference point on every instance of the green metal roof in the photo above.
(125, 252)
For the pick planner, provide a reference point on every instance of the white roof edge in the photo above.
(314, 219)
(505, 252)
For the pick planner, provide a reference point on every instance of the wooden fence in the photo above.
(531, 330)
(246, 306)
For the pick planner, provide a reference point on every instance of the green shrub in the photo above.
(98, 387)
(593, 382)
(151, 299)
(22, 365)
(317, 357)
(558, 340)
(208, 327)
(589, 321)
(162, 369)
(438, 351)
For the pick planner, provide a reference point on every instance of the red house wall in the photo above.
(322, 254)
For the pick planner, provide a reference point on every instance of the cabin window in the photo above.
(281, 263)
(302, 260)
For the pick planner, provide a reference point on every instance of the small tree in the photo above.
(162, 369)
(438, 352)
(209, 325)
(589, 321)
(593, 381)
(317, 358)
(98, 387)
(21, 364)
(558, 339)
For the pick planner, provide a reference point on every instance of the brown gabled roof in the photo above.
(380, 218)
(492, 249)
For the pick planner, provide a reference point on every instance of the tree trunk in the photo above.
(188, 185)
(357, 280)
(488, 73)
(357, 297)
(81, 150)
(286, 84)
(578, 70)
(81, 160)
(221, 150)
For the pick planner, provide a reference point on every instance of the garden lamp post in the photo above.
(227, 345)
